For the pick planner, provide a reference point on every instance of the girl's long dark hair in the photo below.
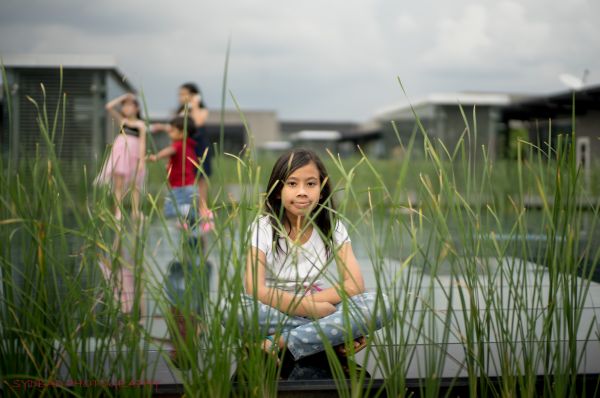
(324, 216)
(193, 89)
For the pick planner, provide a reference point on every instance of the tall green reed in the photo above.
(60, 328)
(506, 315)
(464, 302)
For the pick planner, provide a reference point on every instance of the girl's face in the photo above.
(301, 191)
(185, 96)
(129, 109)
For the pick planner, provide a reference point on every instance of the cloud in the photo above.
(489, 38)
(313, 59)
(406, 23)
(512, 46)
(460, 41)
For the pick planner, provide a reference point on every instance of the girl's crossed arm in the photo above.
(283, 301)
(350, 274)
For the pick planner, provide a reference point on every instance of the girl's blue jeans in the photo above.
(179, 202)
(304, 336)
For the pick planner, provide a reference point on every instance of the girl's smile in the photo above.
(301, 191)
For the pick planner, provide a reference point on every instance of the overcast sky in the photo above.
(318, 59)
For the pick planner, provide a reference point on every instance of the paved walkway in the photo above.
(420, 331)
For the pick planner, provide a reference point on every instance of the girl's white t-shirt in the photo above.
(301, 267)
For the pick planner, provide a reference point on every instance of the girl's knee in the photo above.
(373, 303)
(365, 299)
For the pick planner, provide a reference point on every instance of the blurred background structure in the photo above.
(89, 81)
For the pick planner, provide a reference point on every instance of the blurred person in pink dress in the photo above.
(124, 169)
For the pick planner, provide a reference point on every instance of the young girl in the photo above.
(124, 168)
(180, 203)
(191, 104)
(180, 169)
(292, 245)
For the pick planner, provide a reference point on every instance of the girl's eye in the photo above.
(291, 183)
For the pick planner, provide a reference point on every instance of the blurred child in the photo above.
(124, 169)
(192, 104)
(180, 203)
(181, 170)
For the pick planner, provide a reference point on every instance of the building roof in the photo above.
(461, 98)
(293, 126)
(67, 61)
(334, 135)
(275, 145)
(556, 105)
(317, 135)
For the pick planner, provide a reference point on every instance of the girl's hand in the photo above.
(156, 127)
(152, 158)
(316, 309)
(324, 309)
